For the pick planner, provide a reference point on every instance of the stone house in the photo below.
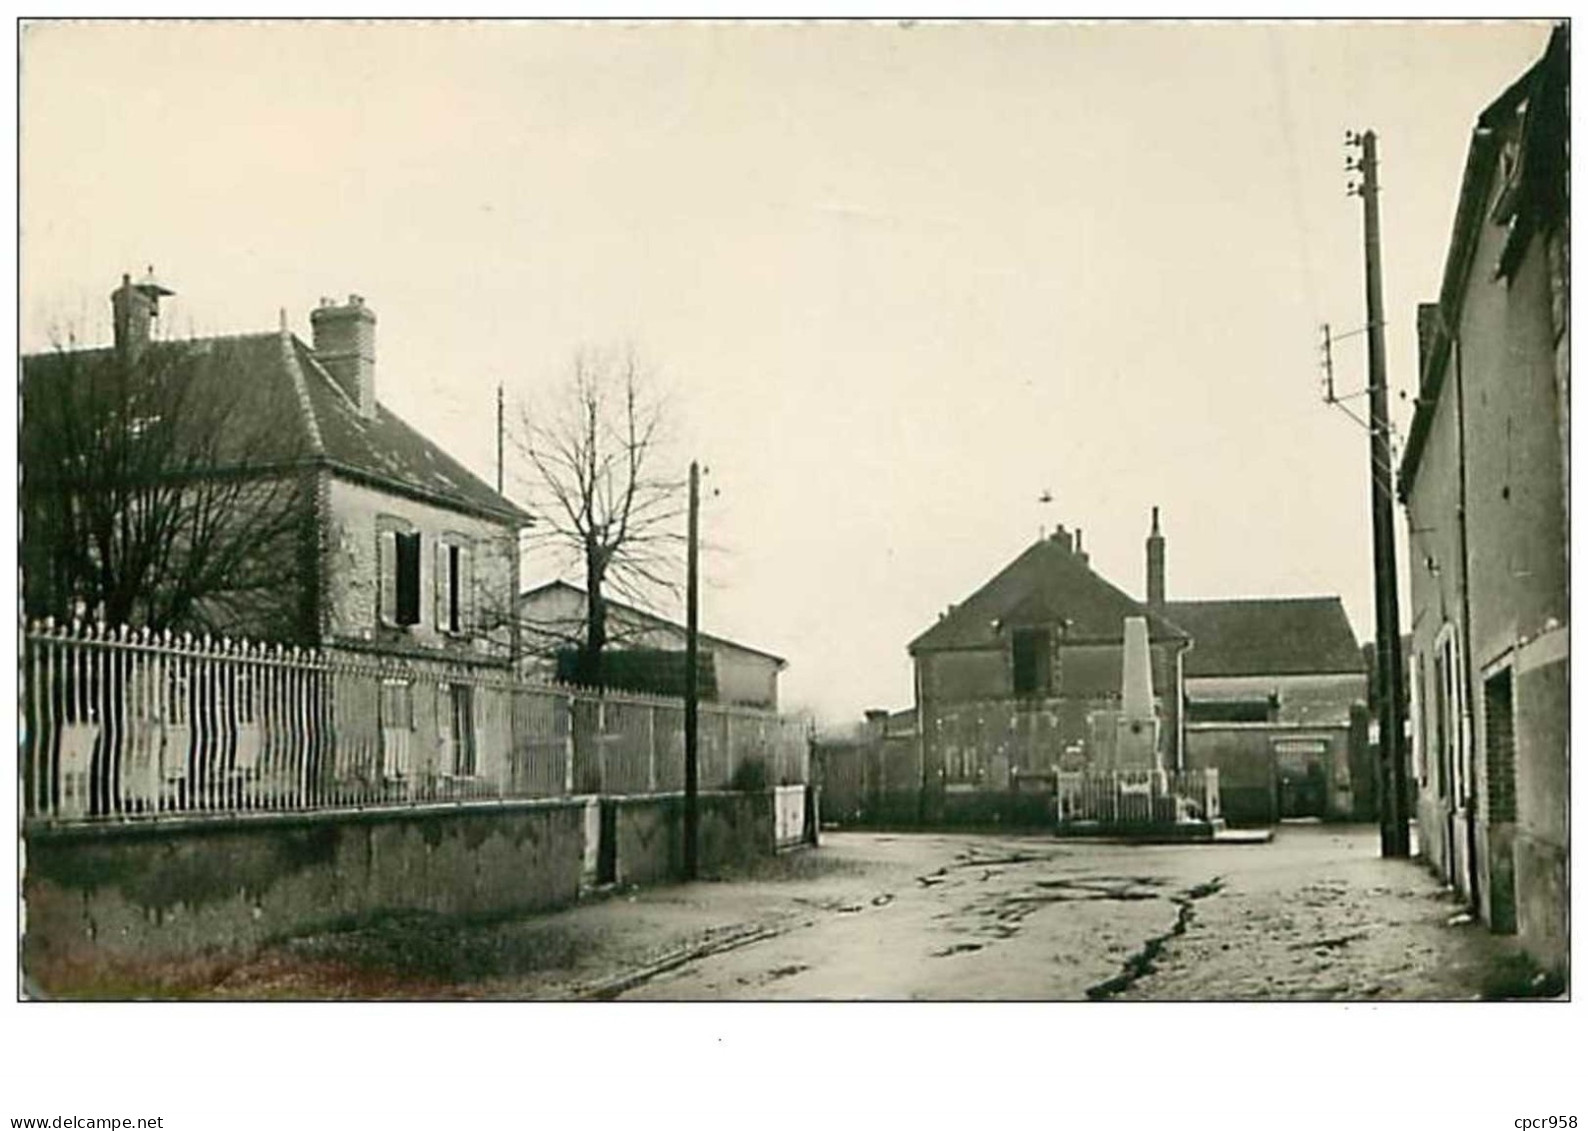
(1484, 479)
(1025, 675)
(552, 620)
(393, 550)
(1275, 700)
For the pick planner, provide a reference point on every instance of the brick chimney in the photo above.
(344, 341)
(1155, 593)
(134, 307)
(1062, 537)
(876, 724)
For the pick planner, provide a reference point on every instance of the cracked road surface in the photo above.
(954, 918)
(1316, 914)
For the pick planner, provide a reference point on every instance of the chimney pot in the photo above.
(134, 307)
(344, 342)
(1155, 548)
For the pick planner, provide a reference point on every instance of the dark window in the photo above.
(1033, 650)
(407, 578)
(454, 585)
(454, 571)
(397, 564)
(463, 760)
(1499, 735)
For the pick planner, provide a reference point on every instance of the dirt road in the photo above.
(1316, 914)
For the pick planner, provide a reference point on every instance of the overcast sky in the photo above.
(899, 281)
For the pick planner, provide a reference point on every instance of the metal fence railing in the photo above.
(127, 725)
(1138, 797)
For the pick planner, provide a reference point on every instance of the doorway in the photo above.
(1301, 778)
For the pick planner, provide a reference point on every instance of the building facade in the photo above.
(1024, 676)
(1275, 700)
(1485, 483)
(552, 620)
(383, 545)
(1028, 676)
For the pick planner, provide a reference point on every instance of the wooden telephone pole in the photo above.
(1394, 829)
(692, 687)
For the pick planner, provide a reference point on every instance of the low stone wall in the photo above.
(156, 892)
(648, 833)
(981, 808)
(1021, 809)
(145, 894)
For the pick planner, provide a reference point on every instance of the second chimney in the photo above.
(134, 307)
(344, 341)
(1155, 592)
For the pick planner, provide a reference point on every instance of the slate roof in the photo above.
(1267, 636)
(650, 618)
(1044, 585)
(245, 367)
(277, 378)
(389, 452)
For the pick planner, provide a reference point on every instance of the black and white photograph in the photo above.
(870, 512)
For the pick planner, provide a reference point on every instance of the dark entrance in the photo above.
(1301, 778)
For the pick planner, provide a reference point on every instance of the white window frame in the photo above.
(1448, 645)
(454, 551)
(1419, 729)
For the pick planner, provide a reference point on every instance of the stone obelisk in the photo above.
(1136, 739)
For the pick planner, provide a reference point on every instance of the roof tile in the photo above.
(1045, 584)
(1267, 636)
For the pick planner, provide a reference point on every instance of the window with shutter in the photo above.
(386, 569)
(454, 585)
(444, 587)
(463, 575)
(1419, 738)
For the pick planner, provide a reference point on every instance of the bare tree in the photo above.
(597, 493)
(164, 488)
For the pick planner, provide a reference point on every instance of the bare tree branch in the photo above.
(593, 454)
(160, 491)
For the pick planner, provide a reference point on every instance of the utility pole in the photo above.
(498, 437)
(1394, 831)
(692, 687)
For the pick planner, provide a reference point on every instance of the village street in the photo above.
(1316, 914)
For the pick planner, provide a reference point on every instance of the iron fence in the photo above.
(121, 724)
(1138, 797)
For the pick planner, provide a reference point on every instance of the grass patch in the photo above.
(439, 948)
